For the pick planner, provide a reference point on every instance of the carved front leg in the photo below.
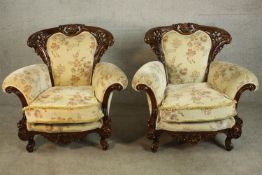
(31, 143)
(235, 132)
(22, 130)
(155, 143)
(105, 132)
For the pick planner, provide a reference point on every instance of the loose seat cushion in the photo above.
(195, 102)
(196, 127)
(64, 104)
(58, 128)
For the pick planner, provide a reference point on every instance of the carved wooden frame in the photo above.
(38, 41)
(219, 38)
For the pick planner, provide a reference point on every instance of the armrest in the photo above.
(107, 77)
(231, 78)
(30, 81)
(152, 78)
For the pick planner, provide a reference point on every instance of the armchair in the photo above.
(190, 96)
(69, 96)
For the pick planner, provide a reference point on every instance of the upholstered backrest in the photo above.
(186, 56)
(71, 58)
(186, 49)
(71, 52)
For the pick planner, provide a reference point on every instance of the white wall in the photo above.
(128, 21)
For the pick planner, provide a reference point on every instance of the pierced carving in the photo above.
(185, 28)
(39, 39)
(219, 38)
(71, 29)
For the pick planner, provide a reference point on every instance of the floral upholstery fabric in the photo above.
(72, 58)
(186, 56)
(29, 80)
(197, 126)
(229, 78)
(58, 128)
(195, 102)
(153, 75)
(65, 104)
(105, 75)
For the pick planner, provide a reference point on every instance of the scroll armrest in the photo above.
(106, 78)
(28, 81)
(152, 78)
(231, 79)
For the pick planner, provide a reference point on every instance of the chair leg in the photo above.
(228, 144)
(31, 144)
(105, 132)
(155, 144)
(103, 143)
(235, 132)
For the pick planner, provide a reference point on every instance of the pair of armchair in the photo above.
(190, 96)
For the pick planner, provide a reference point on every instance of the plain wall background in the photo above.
(128, 21)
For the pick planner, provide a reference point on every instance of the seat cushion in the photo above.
(65, 104)
(195, 102)
(58, 128)
(196, 127)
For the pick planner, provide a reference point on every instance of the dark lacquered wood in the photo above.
(219, 38)
(38, 42)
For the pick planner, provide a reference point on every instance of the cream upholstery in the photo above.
(186, 56)
(196, 126)
(29, 80)
(74, 103)
(60, 128)
(65, 104)
(105, 75)
(228, 78)
(184, 101)
(153, 75)
(72, 58)
(195, 102)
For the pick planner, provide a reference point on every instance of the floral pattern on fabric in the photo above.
(229, 78)
(153, 75)
(72, 58)
(65, 104)
(186, 56)
(29, 80)
(62, 128)
(105, 75)
(197, 126)
(195, 102)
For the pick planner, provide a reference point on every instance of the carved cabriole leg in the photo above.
(235, 132)
(105, 132)
(22, 130)
(31, 143)
(155, 143)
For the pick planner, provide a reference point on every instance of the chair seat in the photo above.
(195, 102)
(196, 126)
(65, 105)
(61, 128)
